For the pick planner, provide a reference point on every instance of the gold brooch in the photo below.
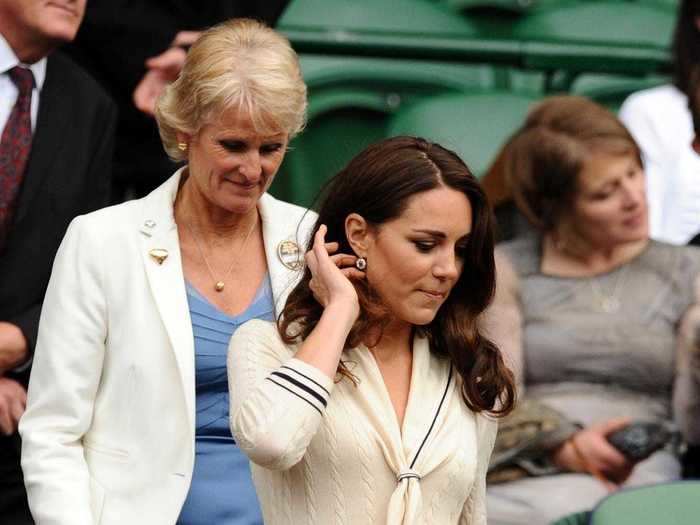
(158, 254)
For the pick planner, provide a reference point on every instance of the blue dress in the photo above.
(222, 491)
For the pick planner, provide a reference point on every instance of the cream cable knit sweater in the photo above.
(326, 453)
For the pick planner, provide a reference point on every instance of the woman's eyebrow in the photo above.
(434, 233)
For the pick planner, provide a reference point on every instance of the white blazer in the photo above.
(108, 435)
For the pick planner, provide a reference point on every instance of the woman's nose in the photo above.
(251, 167)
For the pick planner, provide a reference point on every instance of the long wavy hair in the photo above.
(378, 184)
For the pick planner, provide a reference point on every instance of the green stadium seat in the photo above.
(615, 36)
(602, 36)
(676, 503)
(475, 125)
(394, 28)
(351, 100)
(612, 90)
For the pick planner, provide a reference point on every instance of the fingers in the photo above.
(13, 400)
(186, 38)
(171, 59)
(319, 247)
(610, 458)
(342, 259)
(147, 91)
(5, 419)
(352, 273)
(16, 410)
(613, 425)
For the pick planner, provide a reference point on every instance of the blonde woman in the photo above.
(127, 416)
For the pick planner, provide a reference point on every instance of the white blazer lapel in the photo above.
(163, 264)
(285, 234)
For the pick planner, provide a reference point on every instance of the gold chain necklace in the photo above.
(220, 283)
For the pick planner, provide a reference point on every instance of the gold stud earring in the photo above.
(182, 146)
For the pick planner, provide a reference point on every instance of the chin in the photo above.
(421, 317)
(63, 33)
(239, 204)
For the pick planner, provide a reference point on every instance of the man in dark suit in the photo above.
(55, 158)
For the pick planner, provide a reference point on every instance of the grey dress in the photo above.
(595, 349)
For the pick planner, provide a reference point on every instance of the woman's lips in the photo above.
(635, 220)
(434, 294)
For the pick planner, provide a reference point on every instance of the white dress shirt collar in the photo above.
(8, 60)
(8, 90)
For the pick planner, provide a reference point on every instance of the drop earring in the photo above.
(361, 264)
(182, 146)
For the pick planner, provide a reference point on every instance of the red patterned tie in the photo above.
(14, 147)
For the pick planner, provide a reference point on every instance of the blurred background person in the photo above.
(127, 411)
(588, 311)
(372, 400)
(56, 149)
(661, 123)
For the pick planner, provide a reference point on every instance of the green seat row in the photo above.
(612, 36)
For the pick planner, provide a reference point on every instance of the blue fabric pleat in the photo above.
(222, 491)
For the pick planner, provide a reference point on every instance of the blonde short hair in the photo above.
(240, 64)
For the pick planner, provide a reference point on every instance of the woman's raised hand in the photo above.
(331, 273)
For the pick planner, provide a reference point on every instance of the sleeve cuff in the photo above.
(305, 382)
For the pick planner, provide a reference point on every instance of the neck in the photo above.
(396, 340)
(594, 260)
(208, 219)
(23, 43)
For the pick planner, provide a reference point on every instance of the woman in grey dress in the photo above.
(596, 318)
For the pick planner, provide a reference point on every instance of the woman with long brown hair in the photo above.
(367, 402)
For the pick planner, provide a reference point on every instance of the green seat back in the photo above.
(623, 37)
(664, 504)
(351, 100)
(474, 125)
(393, 28)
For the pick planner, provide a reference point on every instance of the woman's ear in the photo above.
(358, 233)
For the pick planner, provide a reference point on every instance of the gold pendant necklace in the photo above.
(219, 284)
(609, 303)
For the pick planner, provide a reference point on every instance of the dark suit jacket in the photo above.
(68, 174)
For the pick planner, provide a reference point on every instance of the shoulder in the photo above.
(521, 256)
(277, 207)
(647, 99)
(297, 220)
(659, 106)
(70, 80)
(257, 329)
(105, 224)
(670, 258)
(260, 337)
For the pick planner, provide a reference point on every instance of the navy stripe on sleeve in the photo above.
(301, 385)
(292, 392)
(307, 377)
